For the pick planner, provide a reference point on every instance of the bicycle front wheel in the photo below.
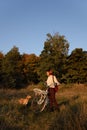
(35, 106)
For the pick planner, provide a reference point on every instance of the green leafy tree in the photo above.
(76, 67)
(53, 55)
(11, 69)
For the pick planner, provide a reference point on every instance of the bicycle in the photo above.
(40, 100)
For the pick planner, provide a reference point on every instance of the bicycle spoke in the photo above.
(39, 101)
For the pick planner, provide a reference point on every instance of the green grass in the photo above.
(72, 116)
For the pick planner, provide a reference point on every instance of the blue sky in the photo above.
(25, 23)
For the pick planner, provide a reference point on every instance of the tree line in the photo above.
(18, 70)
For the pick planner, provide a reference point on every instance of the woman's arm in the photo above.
(56, 81)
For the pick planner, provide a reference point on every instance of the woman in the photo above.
(51, 90)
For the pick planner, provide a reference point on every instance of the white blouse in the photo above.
(51, 80)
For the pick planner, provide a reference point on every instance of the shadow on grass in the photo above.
(66, 102)
(6, 126)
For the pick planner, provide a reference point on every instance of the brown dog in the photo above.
(24, 101)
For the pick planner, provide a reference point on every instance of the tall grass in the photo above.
(72, 116)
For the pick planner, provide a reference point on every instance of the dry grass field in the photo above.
(72, 100)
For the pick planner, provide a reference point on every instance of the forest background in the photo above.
(20, 70)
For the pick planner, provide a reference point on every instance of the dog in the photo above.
(24, 101)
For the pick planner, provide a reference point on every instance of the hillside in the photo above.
(72, 100)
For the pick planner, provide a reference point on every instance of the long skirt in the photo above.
(52, 98)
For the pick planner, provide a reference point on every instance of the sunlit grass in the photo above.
(72, 101)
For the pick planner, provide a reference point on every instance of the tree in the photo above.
(1, 58)
(53, 55)
(30, 64)
(76, 67)
(10, 68)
